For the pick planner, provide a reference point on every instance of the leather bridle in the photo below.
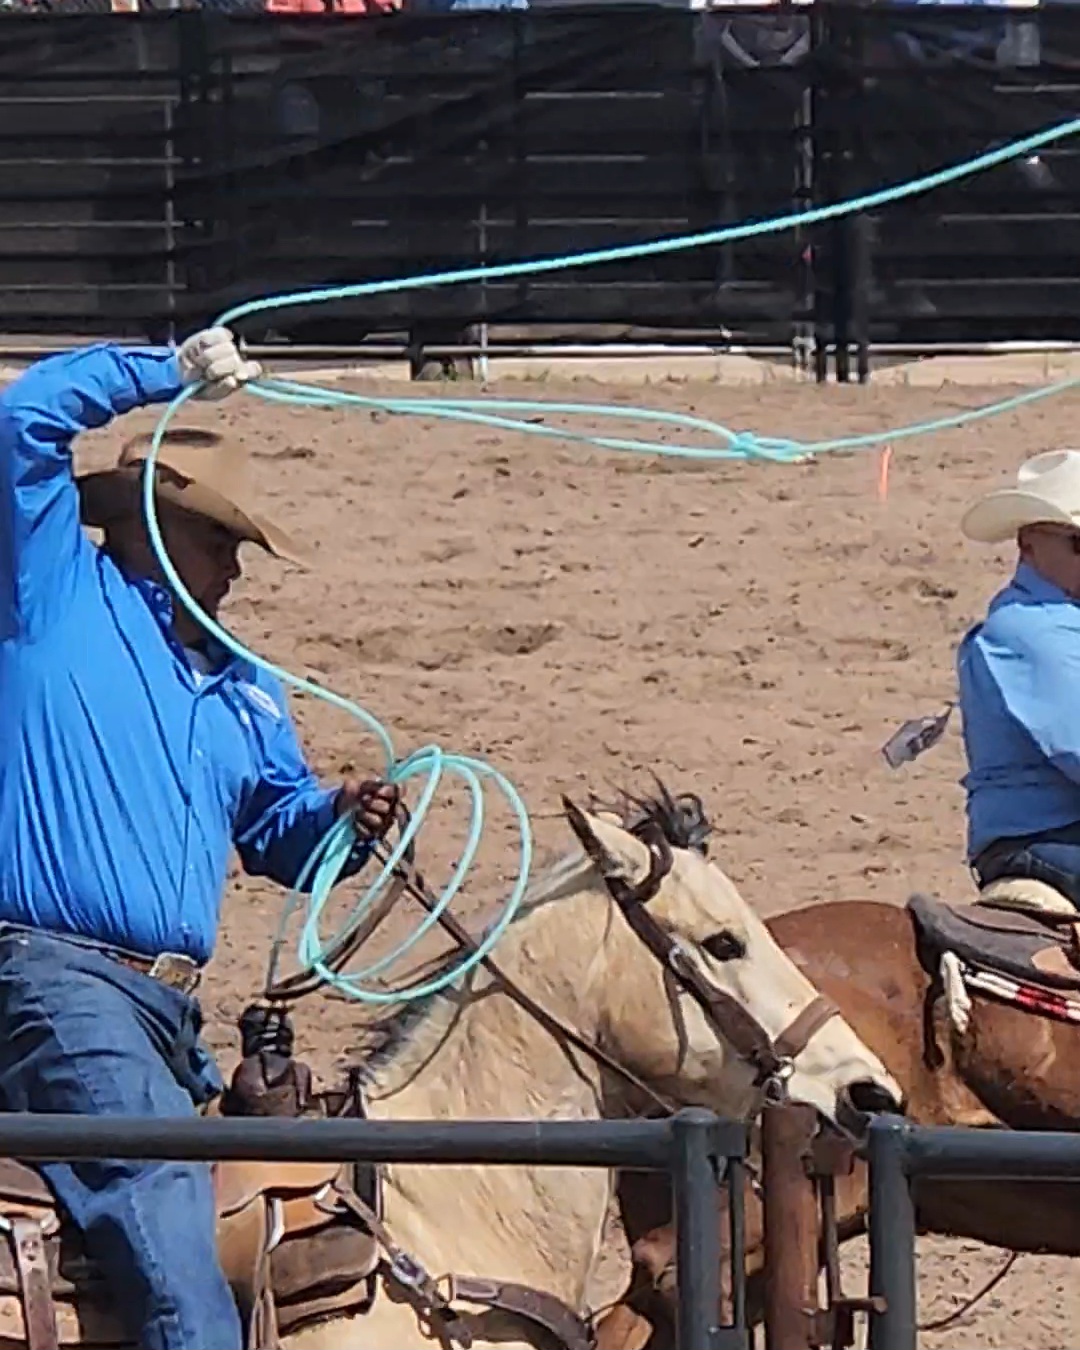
(772, 1060)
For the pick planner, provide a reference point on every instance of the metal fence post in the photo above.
(694, 1178)
(892, 1237)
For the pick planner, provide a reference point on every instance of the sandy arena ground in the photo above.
(753, 633)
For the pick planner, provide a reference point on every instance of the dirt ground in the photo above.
(751, 632)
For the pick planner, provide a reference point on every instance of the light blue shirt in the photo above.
(125, 774)
(1019, 673)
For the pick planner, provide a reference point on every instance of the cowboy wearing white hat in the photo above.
(1019, 672)
(134, 755)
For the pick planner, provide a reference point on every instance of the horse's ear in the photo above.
(614, 852)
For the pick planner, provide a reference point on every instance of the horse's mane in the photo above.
(682, 819)
(683, 823)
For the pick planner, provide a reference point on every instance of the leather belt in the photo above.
(172, 969)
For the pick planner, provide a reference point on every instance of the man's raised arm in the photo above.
(41, 542)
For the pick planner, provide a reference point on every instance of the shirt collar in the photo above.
(161, 606)
(226, 661)
(157, 598)
(1033, 583)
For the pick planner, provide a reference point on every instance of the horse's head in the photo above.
(701, 1002)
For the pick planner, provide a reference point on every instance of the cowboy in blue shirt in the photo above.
(133, 755)
(1019, 676)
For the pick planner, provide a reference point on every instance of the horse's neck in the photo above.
(485, 1057)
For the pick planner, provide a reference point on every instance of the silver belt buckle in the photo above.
(176, 972)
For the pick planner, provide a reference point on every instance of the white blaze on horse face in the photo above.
(677, 1047)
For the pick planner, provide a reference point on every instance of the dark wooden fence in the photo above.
(157, 168)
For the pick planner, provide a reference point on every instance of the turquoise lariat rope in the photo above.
(323, 869)
(734, 445)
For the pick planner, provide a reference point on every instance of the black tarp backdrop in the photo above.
(258, 155)
(85, 172)
(422, 145)
(157, 168)
(992, 257)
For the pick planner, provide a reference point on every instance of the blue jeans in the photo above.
(1053, 857)
(82, 1033)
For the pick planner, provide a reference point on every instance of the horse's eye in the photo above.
(724, 947)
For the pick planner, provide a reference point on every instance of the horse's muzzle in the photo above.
(859, 1102)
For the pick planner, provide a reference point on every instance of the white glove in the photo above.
(212, 357)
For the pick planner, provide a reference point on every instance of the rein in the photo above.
(415, 885)
(292, 988)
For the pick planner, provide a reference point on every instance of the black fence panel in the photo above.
(160, 167)
(253, 155)
(988, 258)
(403, 146)
(88, 169)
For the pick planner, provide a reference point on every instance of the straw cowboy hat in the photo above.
(197, 470)
(1047, 492)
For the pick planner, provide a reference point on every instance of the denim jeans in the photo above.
(1053, 857)
(84, 1034)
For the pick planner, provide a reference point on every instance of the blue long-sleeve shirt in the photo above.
(1019, 673)
(125, 774)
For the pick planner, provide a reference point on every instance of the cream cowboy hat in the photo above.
(197, 470)
(1047, 492)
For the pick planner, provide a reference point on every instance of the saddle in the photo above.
(1020, 928)
(292, 1249)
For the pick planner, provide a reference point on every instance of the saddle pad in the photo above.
(1001, 940)
(1030, 897)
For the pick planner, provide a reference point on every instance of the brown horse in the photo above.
(963, 1056)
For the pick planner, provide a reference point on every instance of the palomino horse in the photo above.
(970, 1009)
(522, 1241)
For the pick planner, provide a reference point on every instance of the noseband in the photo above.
(772, 1060)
